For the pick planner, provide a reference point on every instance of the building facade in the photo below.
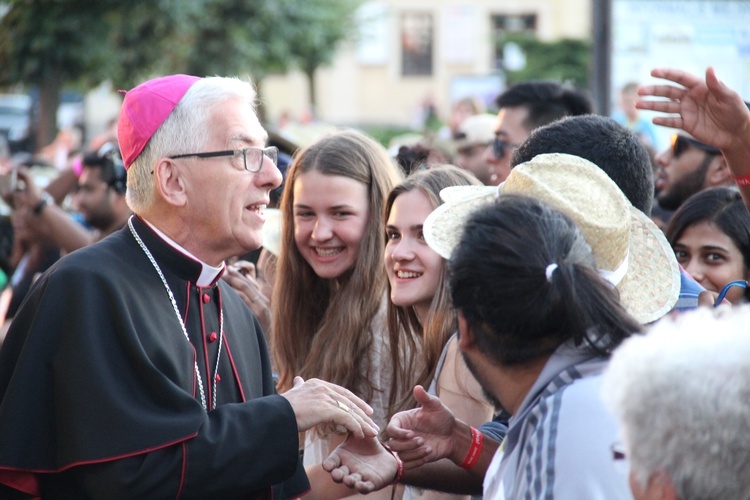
(412, 54)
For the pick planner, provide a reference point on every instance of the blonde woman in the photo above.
(420, 305)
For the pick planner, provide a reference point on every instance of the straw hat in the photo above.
(630, 251)
(272, 231)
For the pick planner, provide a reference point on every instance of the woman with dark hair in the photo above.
(710, 235)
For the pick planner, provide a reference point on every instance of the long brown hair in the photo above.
(322, 327)
(421, 343)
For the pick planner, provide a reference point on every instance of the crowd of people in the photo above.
(529, 315)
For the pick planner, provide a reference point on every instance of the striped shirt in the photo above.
(559, 444)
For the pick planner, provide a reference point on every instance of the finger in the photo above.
(346, 394)
(337, 476)
(358, 424)
(352, 479)
(364, 486)
(661, 106)
(403, 445)
(425, 399)
(331, 462)
(420, 454)
(677, 76)
(668, 121)
(298, 381)
(668, 91)
(246, 268)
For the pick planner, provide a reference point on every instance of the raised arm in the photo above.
(709, 111)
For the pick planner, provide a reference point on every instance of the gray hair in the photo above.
(682, 396)
(186, 130)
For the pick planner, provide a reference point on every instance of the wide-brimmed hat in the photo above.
(629, 250)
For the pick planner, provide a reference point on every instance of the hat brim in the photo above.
(650, 287)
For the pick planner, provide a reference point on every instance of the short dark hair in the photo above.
(723, 207)
(498, 282)
(111, 168)
(604, 142)
(545, 102)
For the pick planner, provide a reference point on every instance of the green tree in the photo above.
(565, 60)
(50, 44)
(320, 25)
(262, 37)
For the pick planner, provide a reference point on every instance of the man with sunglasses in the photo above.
(473, 136)
(132, 370)
(523, 108)
(686, 167)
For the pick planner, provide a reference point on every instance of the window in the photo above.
(510, 24)
(416, 44)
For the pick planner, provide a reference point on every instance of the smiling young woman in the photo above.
(330, 292)
(710, 234)
(421, 319)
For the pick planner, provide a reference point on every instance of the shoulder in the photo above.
(569, 442)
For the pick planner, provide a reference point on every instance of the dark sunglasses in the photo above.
(499, 147)
(679, 144)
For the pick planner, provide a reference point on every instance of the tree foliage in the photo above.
(565, 60)
(50, 44)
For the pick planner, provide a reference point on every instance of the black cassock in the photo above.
(98, 393)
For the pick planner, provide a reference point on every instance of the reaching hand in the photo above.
(709, 111)
(318, 402)
(242, 276)
(362, 464)
(424, 434)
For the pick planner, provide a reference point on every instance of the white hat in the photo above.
(476, 130)
(630, 251)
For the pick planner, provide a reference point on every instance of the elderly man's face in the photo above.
(225, 201)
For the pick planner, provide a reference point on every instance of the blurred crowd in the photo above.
(533, 302)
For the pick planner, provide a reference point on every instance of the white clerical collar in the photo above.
(208, 273)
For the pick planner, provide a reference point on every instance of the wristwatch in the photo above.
(47, 199)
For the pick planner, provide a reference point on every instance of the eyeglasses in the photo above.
(252, 158)
(499, 147)
(679, 143)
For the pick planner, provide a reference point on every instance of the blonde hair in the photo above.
(322, 327)
(421, 344)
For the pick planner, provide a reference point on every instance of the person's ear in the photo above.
(466, 340)
(661, 486)
(718, 173)
(170, 182)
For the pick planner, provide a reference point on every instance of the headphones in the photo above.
(112, 167)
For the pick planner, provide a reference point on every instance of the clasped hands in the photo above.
(418, 436)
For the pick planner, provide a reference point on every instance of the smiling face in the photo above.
(330, 219)
(225, 201)
(710, 256)
(413, 268)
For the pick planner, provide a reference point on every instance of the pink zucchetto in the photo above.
(145, 108)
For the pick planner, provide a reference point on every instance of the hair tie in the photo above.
(548, 272)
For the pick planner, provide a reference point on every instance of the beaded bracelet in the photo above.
(472, 457)
(399, 465)
(743, 180)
